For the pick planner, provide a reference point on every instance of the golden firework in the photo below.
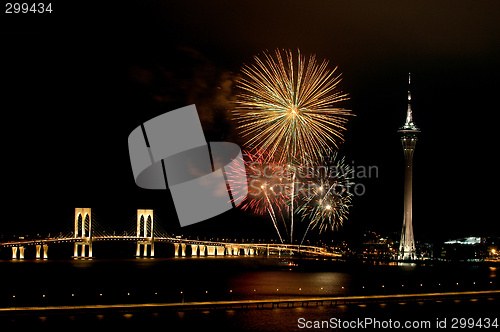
(286, 106)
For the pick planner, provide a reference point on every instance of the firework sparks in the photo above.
(318, 193)
(269, 188)
(325, 203)
(286, 107)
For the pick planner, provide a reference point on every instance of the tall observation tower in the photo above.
(409, 139)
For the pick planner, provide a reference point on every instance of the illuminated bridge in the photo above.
(146, 234)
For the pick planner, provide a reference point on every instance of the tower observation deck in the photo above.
(408, 131)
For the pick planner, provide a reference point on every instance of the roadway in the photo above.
(247, 304)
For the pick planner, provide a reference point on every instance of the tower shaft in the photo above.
(407, 244)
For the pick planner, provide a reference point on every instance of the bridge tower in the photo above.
(83, 232)
(15, 250)
(145, 230)
(39, 247)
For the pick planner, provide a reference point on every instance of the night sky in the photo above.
(75, 84)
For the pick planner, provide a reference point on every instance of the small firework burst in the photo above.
(325, 202)
(269, 187)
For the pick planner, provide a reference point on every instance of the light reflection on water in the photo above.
(72, 282)
(493, 272)
(272, 284)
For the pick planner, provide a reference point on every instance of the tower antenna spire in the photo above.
(409, 88)
(409, 124)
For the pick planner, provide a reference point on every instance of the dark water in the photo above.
(99, 281)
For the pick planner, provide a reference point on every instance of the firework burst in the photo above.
(270, 189)
(286, 106)
(325, 202)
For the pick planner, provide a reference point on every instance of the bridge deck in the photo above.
(311, 250)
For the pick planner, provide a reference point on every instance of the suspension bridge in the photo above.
(146, 233)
